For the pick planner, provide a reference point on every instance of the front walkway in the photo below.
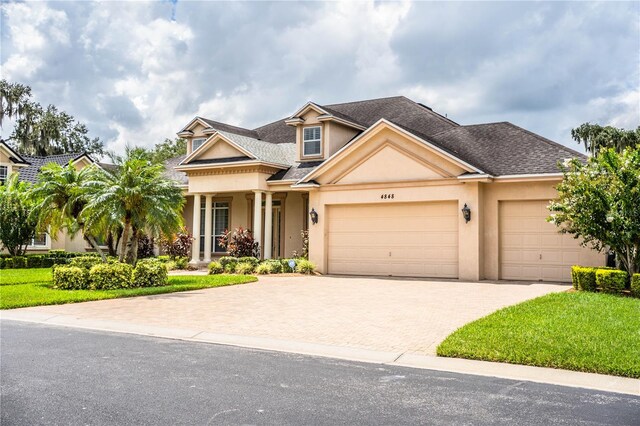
(390, 315)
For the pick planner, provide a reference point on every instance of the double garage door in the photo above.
(416, 240)
(421, 240)
(532, 249)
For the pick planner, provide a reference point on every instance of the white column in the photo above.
(268, 228)
(207, 228)
(257, 219)
(195, 247)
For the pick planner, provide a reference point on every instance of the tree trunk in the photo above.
(94, 244)
(124, 239)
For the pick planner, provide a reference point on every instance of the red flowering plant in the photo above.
(240, 243)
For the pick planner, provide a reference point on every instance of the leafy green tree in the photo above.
(137, 195)
(600, 202)
(42, 131)
(596, 137)
(168, 149)
(62, 194)
(16, 224)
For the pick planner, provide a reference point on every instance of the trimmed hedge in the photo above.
(54, 257)
(215, 268)
(70, 278)
(252, 260)
(611, 281)
(574, 276)
(635, 285)
(149, 273)
(109, 276)
(86, 262)
(263, 269)
(586, 278)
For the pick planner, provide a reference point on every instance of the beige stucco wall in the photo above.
(336, 136)
(5, 161)
(205, 183)
(294, 215)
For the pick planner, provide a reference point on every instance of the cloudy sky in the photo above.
(136, 72)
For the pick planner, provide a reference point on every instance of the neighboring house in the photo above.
(28, 167)
(387, 180)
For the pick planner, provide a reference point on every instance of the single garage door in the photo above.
(414, 240)
(532, 249)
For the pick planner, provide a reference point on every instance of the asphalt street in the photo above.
(64, 376)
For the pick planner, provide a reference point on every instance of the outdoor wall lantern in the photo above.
(314, 216)
(466, 213)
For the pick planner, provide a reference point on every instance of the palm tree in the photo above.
(61, 194)
(138, 196)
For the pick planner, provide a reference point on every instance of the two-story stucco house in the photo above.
(385, 187)
(28, 167)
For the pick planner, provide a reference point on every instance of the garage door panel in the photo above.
(397, 239)
(532, 249)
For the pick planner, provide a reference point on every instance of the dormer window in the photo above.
(311, 141)
(197, 143)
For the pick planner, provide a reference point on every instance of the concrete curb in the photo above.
(552, 376)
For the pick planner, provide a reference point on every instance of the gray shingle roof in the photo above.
(30, 173)
(283, 154)
(171, 173)
(495, 148)
(504, 149)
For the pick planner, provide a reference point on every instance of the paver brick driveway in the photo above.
(395, 315)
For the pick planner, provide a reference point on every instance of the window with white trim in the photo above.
(39, 240)
(3, 174)
(219, 223)
(196, 143)
(311, 140)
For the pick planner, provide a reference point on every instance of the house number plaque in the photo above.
(387, 196)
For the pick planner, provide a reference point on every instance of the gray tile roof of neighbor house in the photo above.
(30, 173)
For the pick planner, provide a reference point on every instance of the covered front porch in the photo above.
(275, 218)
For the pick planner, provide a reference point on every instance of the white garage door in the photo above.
(532, 249)
(414, 240)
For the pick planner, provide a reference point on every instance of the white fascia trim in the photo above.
(293, 121)
(483, 176)
(12, 153)
(81, 157)
(209, 142)
(209, 131)
(309, 104)
(530, 176)
(196, 119)
(330, 117)
(305, 185)
(185, 134)
(399, 129)
(184, 167)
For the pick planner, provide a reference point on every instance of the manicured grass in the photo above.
(15, 293)
(590, 332)
(25, 276)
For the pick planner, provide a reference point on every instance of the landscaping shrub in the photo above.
(305, 266)
(171, 265)
(635, 285)
(178, 245)
(230, 268)
(110, 276)
(46, 262)
(8, 263)
(249, 259)
(228, 260)
(611, 281)
(574, 276)
(34, 261)
(70, 278)
(215, 268)
(145, 247)
(263, 269)
(86, 262)
(182, 262)
(57, 253)
(164, 258)
(286, 267)
(149, 273)
(586, 277)
(244, 268)
(19, 262)
(1, 262)
(240, 243)
(274, 265)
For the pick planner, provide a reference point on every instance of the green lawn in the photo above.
(32, 287)
(590, 332)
